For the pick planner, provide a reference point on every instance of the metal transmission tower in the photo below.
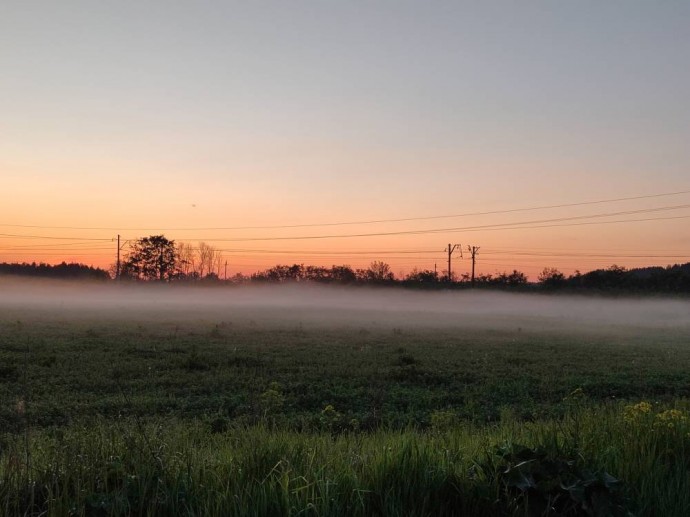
(473, 250)
(450, 249)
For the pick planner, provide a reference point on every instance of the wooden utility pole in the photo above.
(117, 270)
(450, 249)
(118, 265)
(226, 270)
(473, 250)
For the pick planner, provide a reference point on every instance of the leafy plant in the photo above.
(272, 400)
(538, 484)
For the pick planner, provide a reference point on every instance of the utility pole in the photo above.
(226, 270)
(450, 249)
(119, 249)
(117, 270)
(473, 252)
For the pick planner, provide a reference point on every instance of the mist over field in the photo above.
(324, 306)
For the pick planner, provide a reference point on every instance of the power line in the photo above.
(51, 237)
(576, 255)
(487, 227)
(81, 243)
(347, 223)
(514, 225)
(391, 254)
(285, 252)
(510, 249)
(560, 252)
(77, 245)
(53, 250)
(59, 254)
(586, 223)
(579, 260)
(298, 256)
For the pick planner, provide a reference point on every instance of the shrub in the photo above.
(539, 484)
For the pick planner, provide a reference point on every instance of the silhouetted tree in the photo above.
(611, 278)
(424, 276)
(209, 260)
(516, 278)
(152, 258)
(377, 272)
(551, 278)
(186, 260)
(316, 274)
(280, 273)
(343, 274)
(239, 278)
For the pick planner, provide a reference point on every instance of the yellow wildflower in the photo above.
(671, 418)
(637, 411)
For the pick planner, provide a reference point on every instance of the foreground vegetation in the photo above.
(171, 468)
(237, 418)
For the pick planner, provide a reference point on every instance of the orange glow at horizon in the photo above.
(529, 250)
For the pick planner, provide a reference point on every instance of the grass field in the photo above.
(390, 377)
(268, 413)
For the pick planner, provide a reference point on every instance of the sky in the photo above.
(137, 118)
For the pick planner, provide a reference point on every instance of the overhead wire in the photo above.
(579, 254)
(19, 236)
(361, 222)
(83, 244)
(488, 227)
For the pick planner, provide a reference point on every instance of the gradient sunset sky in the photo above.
(152, 117)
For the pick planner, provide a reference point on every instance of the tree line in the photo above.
(156, 258)
(62, 270)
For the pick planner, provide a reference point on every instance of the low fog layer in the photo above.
(334, 306)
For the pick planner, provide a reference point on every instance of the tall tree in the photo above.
(152, 258)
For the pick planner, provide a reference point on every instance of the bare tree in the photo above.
(186, 258)
(210, 260)
(218, 262)
(378, 271)
(205, 253)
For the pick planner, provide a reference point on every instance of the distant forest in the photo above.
(62, 270)
(669, 279)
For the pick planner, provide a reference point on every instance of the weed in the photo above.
(541, 484)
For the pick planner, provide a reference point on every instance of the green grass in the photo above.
(389, 377)
(175, 468)
(221, 418)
